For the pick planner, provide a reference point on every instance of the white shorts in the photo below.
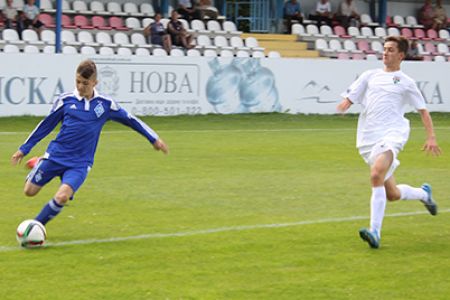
(370, 153)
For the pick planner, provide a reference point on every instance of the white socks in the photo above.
(377, 207)
(411, 193)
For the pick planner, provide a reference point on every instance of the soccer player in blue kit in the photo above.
(70, 155)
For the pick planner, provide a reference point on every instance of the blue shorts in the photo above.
(46, 170)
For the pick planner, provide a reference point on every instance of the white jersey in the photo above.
(383, 96)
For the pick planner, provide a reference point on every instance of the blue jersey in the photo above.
(81, 123)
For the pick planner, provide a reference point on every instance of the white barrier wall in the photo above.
(190, 85)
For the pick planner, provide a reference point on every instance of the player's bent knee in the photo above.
(30, 190)
(393, 196)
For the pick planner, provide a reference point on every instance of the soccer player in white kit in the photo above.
(383, 131)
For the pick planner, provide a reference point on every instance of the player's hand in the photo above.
(431, 147)
(160, 145)
(344, 106)
(17, 158)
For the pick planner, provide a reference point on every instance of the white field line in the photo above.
(228, 130)
(217, 230)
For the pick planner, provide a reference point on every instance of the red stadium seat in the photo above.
(100, 23)
(432, 34)
(82, 22)
(341, 32)
(66, 22)
(363, 45)
(47, 20)
(407, 33)
(420, 34)
(117, 23)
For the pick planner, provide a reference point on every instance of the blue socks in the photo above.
(49, 211)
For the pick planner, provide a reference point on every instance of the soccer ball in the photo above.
(31, 234)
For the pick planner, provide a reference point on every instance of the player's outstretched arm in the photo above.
(431, 145)
(344, 105)
(160, 145)
(17, 157)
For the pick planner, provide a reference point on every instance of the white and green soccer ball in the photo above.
(31, 234)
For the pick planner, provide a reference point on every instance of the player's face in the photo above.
(85, 87)
(391, 55)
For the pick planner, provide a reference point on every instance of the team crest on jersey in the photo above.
(99, 110)
(38, 176)
(396, 79)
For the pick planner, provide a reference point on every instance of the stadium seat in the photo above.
(343, 55)
(327, 31)
(66, 22)
(12, 37)
(419, 33)
(439, 58)
(398, 20)
(69, 50)
(11, 49)
(230, 28)
(117, 23)
(48, 36)
(350, 45)
(104, 39)
(68, 38)
(226, 53)
(185, 24)
(214, 26)
(204, 42)
(66, 7)
(147, 9)
(146, 22)
(122, 39)
(98, 8)
(252, 43)
(209, 53)
(242, 53)
(31, 49)
(353, 32)
(411, 21)
(237, 43)
(358, 56)
(443, 49)
(298, 29)
(82, 22)
(132, 9)
(371, 57)
(159, 52)
(165, 21)
(364, 46)
(335, 46)
(100, 23)
(320, 45)
(407, 33)
(193, 53)
(88, 50)
(49, 49)
(176, 52)
(274, 54)
(46, 6)
(341, 32)
(138, 39)
(313, 30)
(430, 48)
(367, 32)
(124, 51)
(366, 20)
(133, 23)
(432, 34)
(380, 32)
(377, 46)
(115, 9)
(80, 7)
(142, 52)
(30, 37)
(86, 38)
(393, 31)
(444, 34)
(47, 19)
(106, 51)
(221, 42)
(258, 54)
(199, 27)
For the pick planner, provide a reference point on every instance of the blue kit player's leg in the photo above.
(71, 180)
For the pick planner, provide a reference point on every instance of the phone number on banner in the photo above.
(165, 110)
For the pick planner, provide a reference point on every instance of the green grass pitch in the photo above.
(263, 206)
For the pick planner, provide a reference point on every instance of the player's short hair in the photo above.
(402, 43)
(87, 69)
